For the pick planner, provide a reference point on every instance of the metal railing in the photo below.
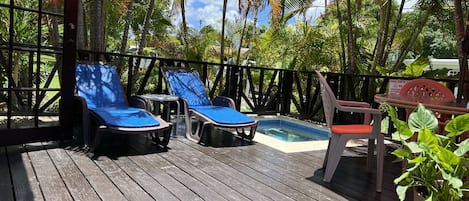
(258, 90)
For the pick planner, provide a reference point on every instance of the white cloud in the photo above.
(209, 12)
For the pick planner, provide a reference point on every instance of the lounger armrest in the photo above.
(224, 101)
(138, 102)
(353, 103)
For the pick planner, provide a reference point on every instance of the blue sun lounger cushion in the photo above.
(223, 115)
(188, 86)
(100, 86)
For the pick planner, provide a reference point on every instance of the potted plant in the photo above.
(436, 165)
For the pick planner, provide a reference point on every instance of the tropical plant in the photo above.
(436, 163)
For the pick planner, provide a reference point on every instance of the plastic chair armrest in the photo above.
(224, 101)
(353, 103)
(364, 110)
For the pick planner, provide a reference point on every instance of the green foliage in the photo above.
(436, 164)
(439, 35)
(415, 69)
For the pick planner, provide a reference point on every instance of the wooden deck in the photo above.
(232, 170)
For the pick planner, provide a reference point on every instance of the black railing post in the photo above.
(159, 86)
(204, 73)
(240, 87)
(130, 79)
(286, 92)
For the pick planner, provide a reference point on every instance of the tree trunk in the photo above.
(394, 31)
(341, 35)
(97, 26)
(125, 35)
(384, 19)
(242, 38)
(143, 36)
(81, 27)
(350, 40)
(254, 29)
(463, 47)
(222, 46)
(184, 25)
(417, 30)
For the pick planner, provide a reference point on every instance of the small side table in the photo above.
(166, 99)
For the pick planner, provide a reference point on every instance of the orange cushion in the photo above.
(351, 129)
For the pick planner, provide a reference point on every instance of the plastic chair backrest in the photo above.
(427, 91)
(99, 85)
(187, 85)
(328, 100)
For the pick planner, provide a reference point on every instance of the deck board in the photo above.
(102, 185)
(76, 182)
(25, 183)
(176, 188)
(219, 187)
(50, 181)
(277, 174)
(186, 171)
(130, 189)
(150, 185)
(209, 164)
(6, 189)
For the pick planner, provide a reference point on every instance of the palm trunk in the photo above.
(143, 36)
(242, 38)
(394, 31)
(417, 30)
(463, 48)
(341, 35)
(222, 46)
(350, 40)
(184, 25)
(81, 27)
(97, 26)
(125, 35)
(382, 39)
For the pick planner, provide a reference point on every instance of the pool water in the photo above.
(290, 131)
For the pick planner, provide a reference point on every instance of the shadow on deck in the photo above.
(232, 170)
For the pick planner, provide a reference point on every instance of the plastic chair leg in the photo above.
(335, 153)
(371, 153)
(379, 161)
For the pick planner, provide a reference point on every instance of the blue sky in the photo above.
(204, 12)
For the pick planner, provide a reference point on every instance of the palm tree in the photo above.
(143, 34)
(125, 35)
(180, 5)
(97, 26)
(462, 37)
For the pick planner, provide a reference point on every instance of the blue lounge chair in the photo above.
(186, 84)
(102, 100)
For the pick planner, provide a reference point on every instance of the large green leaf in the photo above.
(401, 191)
(453, 181)
(427, 137)
(463, 147)
(413, 147)
(403, 131)
(422, 118)
(447, 158)
(458, 125)
(401, 153)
